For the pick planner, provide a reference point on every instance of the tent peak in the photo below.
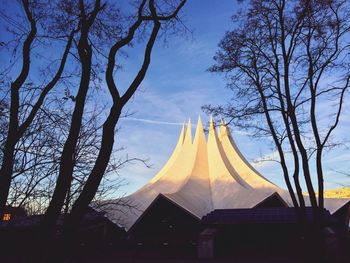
(211, 121)
(211, 126)
(199, 131)
(222, 123)
(199, 123)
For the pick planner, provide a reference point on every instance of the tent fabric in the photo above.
(203, 175)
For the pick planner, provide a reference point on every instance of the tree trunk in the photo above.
(67, 159)
(6, 172)
(80, 207)
(8, 157)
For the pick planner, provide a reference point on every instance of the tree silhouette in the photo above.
(283, 60)
(92, 34)
(16, 129)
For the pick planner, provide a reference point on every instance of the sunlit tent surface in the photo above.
(202, 175)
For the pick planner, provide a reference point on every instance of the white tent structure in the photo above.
(203, 175)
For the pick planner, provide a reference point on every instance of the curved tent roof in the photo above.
(203, 175)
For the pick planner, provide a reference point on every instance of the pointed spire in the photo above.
(212, 136)
(188, 136)
(199, 131)
(211, 126)
(211, 119)
(223, 129)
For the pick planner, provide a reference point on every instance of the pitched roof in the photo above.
(282, 215)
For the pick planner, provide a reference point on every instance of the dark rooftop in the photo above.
(279, 215)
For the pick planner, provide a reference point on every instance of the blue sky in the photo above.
(175, 88)
(178, 84)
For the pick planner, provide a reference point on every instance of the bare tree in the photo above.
(94, 22)
(87, 15)
(145, 15)
(37, 154)
(16, 127)
(283, 60)
(71, 157)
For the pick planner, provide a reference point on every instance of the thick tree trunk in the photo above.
(320, 179)
(6, 172)
(286, 55)
(278, 145)
(68, 240)
(12, 135)
(90, 188)
(297, 135)
(67, 162)
(81, 205)
(290, 136)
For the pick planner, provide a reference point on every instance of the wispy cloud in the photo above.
(153, 121)
(340, 157)
(174, 89)
(268, 159)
